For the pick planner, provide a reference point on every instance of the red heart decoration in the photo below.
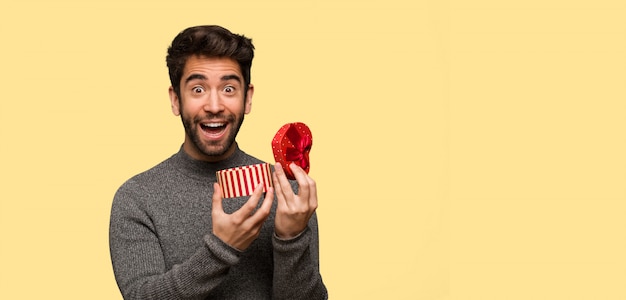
(292, 144)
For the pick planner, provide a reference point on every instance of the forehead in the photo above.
(207, 65)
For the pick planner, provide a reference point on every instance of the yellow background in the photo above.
(463, 149)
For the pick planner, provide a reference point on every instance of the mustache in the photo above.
(215, 117)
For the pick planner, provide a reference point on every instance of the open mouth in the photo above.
(213, 129)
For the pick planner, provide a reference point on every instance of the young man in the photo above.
(172, 236)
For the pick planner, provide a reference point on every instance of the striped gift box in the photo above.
(241, 181)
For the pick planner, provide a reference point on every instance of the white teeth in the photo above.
(213, 125)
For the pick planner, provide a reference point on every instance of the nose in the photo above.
(213, 104)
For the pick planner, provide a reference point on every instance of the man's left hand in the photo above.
(293, 210)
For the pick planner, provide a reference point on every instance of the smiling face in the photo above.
(212, 105)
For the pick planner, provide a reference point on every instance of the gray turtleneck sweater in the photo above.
(162, 246)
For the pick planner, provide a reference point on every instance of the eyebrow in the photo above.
(204, 78)
(231, 77)
(194, 77)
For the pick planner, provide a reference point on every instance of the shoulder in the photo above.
(144, 183)
(151, 175)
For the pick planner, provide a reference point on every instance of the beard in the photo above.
(212, 148)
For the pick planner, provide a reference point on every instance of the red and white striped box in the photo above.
(241, 181)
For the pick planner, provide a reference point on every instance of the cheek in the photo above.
(189, 108)
(235, 107)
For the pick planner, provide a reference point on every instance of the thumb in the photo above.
(217, 199)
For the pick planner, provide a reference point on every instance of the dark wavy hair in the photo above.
(209, 41)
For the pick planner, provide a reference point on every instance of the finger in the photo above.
(261, 214)
(307, 189)
(303, 182)
(217, 199)
(283, 183)
(280, 198)
(266, 207)
(282, 186)
(312, 193)
(250, 206)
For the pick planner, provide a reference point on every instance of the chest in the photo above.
(183, 217)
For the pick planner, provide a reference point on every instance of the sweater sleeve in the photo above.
(138, 260)
(296, 266)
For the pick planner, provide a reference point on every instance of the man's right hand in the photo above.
(242, 227)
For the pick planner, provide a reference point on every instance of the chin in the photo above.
(215, 150)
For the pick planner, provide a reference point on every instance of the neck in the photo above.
(195, 153)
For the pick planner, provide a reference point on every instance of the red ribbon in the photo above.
(301, 148)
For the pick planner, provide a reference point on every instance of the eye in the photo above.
(229, 89)
(197, 90)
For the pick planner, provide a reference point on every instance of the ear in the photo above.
(174, 101)
(248, 102)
